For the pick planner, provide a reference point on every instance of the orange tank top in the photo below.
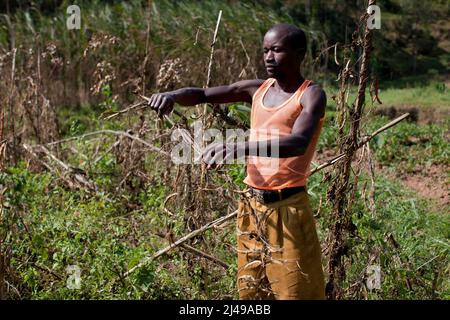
(272, 123)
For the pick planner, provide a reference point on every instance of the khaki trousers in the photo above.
(279, 255)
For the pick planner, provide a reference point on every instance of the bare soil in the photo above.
(430, 183)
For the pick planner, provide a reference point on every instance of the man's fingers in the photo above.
(158, 101)
(165, 106)
(208, 156)
(211, 164)
(161, 107)
(214, 156)
(218, 159)
(158, 105)
(215, 161)
(151, 102)
(161, 103)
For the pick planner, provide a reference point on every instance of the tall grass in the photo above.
(177, 29)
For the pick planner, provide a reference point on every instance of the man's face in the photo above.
(279, 56)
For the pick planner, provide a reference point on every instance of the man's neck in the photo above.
(289, 84)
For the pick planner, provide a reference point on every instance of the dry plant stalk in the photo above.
(195, 251)
(74, 178)
(198, 218)
(26, 113)
(341, 192)
(130, 157)
(181, 241)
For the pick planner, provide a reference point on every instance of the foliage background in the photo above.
(59, 83)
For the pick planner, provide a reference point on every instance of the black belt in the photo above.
(269, 196)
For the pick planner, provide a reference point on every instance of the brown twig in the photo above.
(203, 173)
(208, 78)
(181, 240)
(342, 190)
(117, 133)
(360, 144)
(10, 103)
(78, 177)
(137, 106)
(205, 255)
(200, 253)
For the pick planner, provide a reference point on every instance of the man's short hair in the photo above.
(295, 36)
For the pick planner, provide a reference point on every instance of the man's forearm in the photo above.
(188, 96)
(285, 147)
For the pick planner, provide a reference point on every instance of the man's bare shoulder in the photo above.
(314, 98)
(314, 90)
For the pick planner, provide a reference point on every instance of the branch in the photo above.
(66, 168)
(118, 133)
(208, 78)
(140, 105)
(205, 255)
(182, 240)
(197, 251)
(360, 144)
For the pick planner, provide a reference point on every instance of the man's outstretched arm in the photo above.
(295, 144)
(241, 91)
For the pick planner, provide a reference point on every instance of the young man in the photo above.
(279, 254)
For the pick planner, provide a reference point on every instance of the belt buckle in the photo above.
(259, 196)
(264, 197)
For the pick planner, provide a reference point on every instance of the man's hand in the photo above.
(218, 153)
(162, 103)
